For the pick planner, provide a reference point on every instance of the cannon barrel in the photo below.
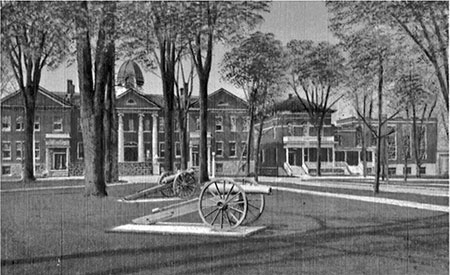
(248, 189)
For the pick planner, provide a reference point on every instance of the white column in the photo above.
(287, 156)
(141, 153)
(47, 159)
(332, 157)
(190, 159)
(213, 168)
(303, 155)
(120, 139)
(209, 159)
(155, 144)
(67, 159)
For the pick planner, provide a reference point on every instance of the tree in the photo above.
(418, 104)
(34, 35)
(153, 32)
(315, 70)
(94, 82)
(183, 105)
(255, 66)
(208, 23)
(373, 52)
(425, 23)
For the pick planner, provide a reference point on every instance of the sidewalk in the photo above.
(420, 186)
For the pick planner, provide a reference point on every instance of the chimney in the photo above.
(290, 96)
(70, 90)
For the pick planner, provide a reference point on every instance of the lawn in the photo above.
(63, 232)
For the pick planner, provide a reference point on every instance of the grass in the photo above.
(63, 232)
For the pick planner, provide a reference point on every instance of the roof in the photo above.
(293, 104)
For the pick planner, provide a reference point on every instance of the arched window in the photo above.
(131, 102)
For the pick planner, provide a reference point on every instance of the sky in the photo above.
(302, 20)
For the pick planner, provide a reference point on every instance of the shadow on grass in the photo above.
(292, 247)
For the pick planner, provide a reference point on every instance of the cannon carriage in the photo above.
(222, 204)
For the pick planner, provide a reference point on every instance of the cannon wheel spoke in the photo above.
(228, 200)
(256, 203)
(184, 185)
(168, 191)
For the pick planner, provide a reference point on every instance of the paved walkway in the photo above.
(440, 190)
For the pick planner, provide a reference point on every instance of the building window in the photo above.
(197, 124)
(423, 170)
(246, 124)
(177, 149)
(161, 149)
(19, 150)
(392, 144)
(59, 159)
(406, 141)
(219, 148)
(244, 149)
(339, 155)
(6, 170)
(80, 150)
(358, 137)
(79, 125)
(58, 124)
(408, 170)
(6, 150)
(161, 125)
(131, 125)
(232, 146)
(37, 150)
(148, 151)
(290, 129)
(219, 167)
(19, 124)
(219, 123)
(177, 125)
(392, 170)
(37, 123)
(131, 151)
(6, 123)
(233, 121)
(422, 136)
(147, 125)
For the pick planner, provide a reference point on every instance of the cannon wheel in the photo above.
(256, 202)
(166, 192)
(224, 210)
(184, 185)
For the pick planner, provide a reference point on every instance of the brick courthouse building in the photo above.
(288, 144)
(59, 144)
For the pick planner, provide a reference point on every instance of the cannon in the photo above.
(181, 184)
(223, 204)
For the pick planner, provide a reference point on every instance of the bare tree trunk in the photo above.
(376, 186)
(203, 146)
(30, 105)
(92, 100)
(249, 139)
(363, 148)
(319, 148)
(110, 116)
(257, 151)
(183, 135)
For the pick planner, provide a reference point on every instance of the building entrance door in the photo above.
(295, 156)
(195, 158)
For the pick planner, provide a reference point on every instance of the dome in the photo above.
(130, 75)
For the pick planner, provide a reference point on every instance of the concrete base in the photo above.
(185, 229)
